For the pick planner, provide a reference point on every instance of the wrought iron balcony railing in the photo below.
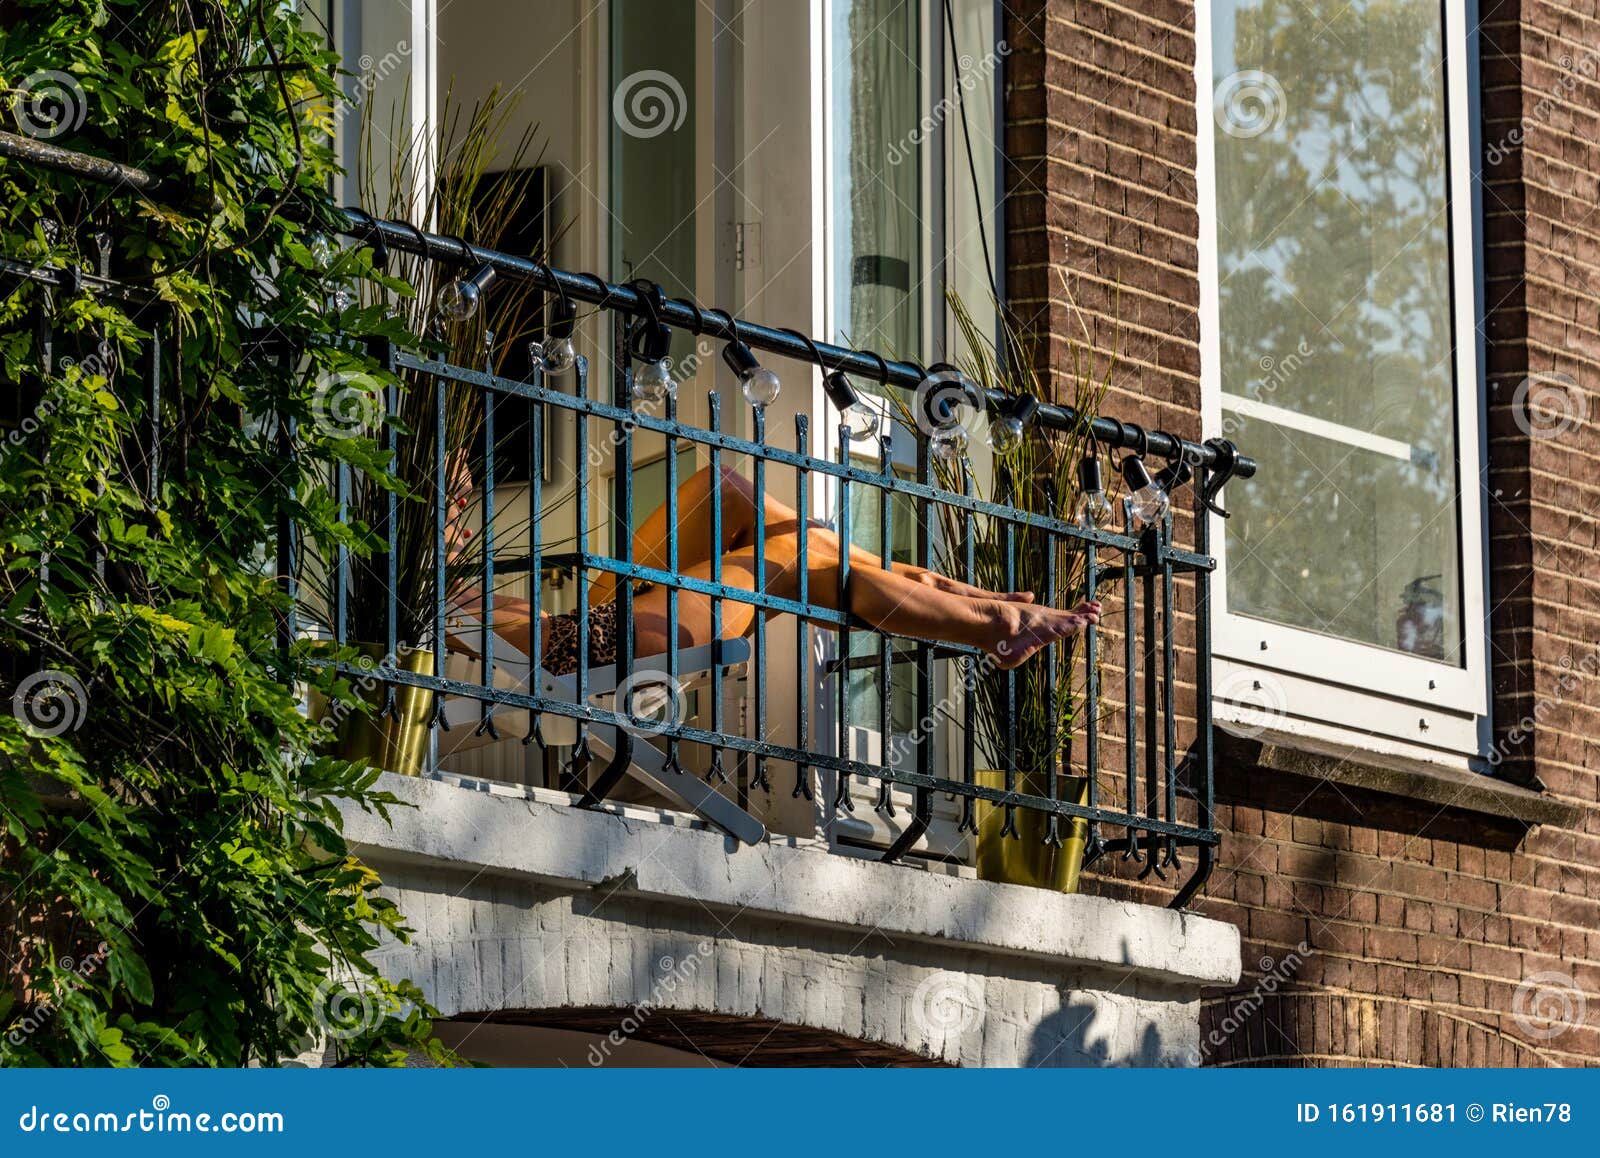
(1153, 807)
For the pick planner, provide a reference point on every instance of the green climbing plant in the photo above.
(174, 888)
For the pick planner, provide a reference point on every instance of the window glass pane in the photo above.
(1335, 319)
(876, 182)
(974, 66)
(652, 115)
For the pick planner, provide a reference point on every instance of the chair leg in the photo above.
(650, 766)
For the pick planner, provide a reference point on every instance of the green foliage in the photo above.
(174, 888)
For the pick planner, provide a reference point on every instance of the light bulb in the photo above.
(761, 387)
(341, 299)
(1147, 499)
(459, 299)
(653, 381)
(556, 357)
(863, 422)
(1006, 435)
(1149, 504)
(1093, 511)
(949, 444)
(556, 353)
(1009, 428)
(322, 249)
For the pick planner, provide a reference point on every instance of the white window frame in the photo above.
(1271, 675)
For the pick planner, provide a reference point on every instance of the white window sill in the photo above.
(1458, 789)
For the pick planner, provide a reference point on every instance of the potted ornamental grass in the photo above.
(1040, 473)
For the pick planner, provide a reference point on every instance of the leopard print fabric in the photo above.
(561, 639)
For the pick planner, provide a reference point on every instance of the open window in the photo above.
(909, 125)
(1339, 343)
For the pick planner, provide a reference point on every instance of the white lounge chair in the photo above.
(647, 763)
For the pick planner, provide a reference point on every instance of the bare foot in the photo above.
(1021, 630)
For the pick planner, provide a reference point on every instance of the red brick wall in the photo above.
(1376, 929)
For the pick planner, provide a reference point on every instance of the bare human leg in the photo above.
(1008, 631)
(906, 601)
(738, 530)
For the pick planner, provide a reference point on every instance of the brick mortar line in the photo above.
(1559, 862)
(1360, 957)
(1530, 100)
(1122, 145)
(1118, 81)
(1186, 272)
(1095, 313)
(1246, 869)
(1540, 473)
(1519, 917)
(1523, 24)
(1107, 38)
(1066, 127)
(1122, 113)
(1144, 18)
(1120, 287)
(1416, 966)
(1542, 141)
(1128, 360)
(1162, 231)
(1314, 989)
(1526, 213)
(1563, 289)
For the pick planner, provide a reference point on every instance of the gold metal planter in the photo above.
(397, 743)
(1026, 859)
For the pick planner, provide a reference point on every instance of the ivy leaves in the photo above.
(174, 888)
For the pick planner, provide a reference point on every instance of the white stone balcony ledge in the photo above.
(504, 885)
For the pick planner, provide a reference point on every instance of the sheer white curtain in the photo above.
(879, 267)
